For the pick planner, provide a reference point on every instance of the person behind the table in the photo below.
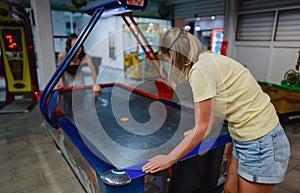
(223, 87)
(73, 75)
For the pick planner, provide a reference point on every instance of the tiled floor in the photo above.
(29, 161)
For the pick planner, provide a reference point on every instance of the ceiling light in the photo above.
(197, 28)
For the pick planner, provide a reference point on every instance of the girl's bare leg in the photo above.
(231, 185)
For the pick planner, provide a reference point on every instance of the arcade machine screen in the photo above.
(12, 39)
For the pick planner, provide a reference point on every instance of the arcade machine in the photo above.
(217, 36)
(18, 59)
(136, 64)
(107, 137)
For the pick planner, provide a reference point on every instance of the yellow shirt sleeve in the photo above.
(203, 85)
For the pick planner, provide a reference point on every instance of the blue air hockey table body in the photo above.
(101, 149)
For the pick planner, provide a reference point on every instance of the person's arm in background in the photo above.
(60, 58)
(89, 62)
(203, 124)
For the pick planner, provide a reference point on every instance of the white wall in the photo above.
(282, 59)
(267, 63)
(97, 43)
(255, 58)
(59, 20)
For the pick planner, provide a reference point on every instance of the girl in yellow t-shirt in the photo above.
(224, 88)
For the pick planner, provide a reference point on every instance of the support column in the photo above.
(44, 40)
(230, 25)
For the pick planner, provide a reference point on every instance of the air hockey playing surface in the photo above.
(152, 127)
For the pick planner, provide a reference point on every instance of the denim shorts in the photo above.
(263, 160)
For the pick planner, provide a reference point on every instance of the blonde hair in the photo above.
(183, 49)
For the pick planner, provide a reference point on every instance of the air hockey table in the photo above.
(107, 153)
(107, 137)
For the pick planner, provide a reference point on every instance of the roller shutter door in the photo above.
(190, 9)
(288, 26)
(256, 26)
(254, 5)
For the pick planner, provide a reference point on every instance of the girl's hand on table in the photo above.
(158, 163)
